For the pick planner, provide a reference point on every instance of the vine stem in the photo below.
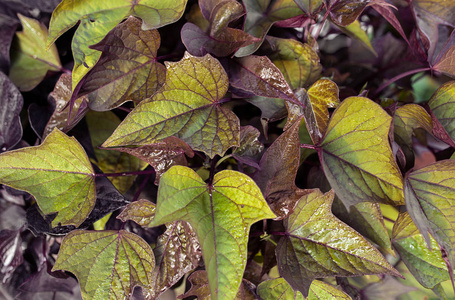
(141, 187)
(308, 146)
(398, 77)
(212, 171)
(145, 172)
(222, 159)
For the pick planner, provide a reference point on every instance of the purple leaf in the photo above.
(11, 102)
(387, 13)
(7, 29)
(250, 146)
(10, 252)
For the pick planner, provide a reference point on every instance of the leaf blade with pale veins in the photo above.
(89, 256)
(30, 62)
(442, 104)
(97, 19)
(430, 198)
(127, 69)
(59, 175)
(427, 266)
(298, 62)
(11, 102)
(260, 16)
(318, 245)
(220, 214)
(142, 212)
(357, 157)
(187, 107)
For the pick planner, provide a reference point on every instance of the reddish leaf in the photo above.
(387, 13)
(11, 102)
(250, 146)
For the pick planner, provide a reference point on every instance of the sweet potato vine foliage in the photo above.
(227, 149)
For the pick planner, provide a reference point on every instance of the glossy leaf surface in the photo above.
(260, 16)
(220, 214)
(442, 104)
(11, 102)
(186, 107)
(357, 157)
(30, 61)
(427, 266)
(344, 12)
(127, 69)
(142, 212)
(298, 62)
(97, 19)
(107, 264)
(430, 201)
(57, 173)
(318, 245)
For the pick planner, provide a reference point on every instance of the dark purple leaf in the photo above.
(387, 13)
(43, 5)
(387, 288)
(10, 252)
(11, 102)
(12, 217)
(8, 27)
(344, 12)
(445, 60)
(207, 7)
(295, 22)
(250, 146)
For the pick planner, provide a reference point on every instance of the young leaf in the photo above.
(177, 252)
(278, 168)
(107, 264)
(57, 173)
(188, 107)
(127, 69)
(430, 198)
(97, 19)
(427, 266)
(220, 213)
(278, 289)
(321, 290)
(442, 105)
(344, 12)
(355, 31)
(318, 245)
(298, 62)
(260, 16)
(29, 59)
(142, 212)
(101, 126)
(11, 102)
(323, 94)
(357, 157)
(250, 146)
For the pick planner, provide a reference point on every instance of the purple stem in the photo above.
(124, 109)
(141, 187)
(398, 77)
(308, 146)
(145, 172)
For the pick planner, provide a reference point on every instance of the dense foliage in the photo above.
(225, 149)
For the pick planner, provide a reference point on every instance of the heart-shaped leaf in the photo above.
(430, 201)
(11, 102)
(29, 59)
(260, 16)
(187, 107)
(357, 157)
(323, 94)
(318, 245)
(442, 105)
(97, 19)
(298, 62)
(57, 173)
(427, 266)
(220, 213)
(107, 264)
(127, 69)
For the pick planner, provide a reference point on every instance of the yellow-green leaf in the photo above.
(318, 245)
(442, 104)
(142, 212)
(57, 173)
(355, 31)
(107, 264)
(357, 157)
(187, 107)
(30, 62)
(220, 213)
(97, 18)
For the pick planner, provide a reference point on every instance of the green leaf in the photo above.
(30, 62)
(101, 126)
(321, 290)
(323, 94)
(407, 120)
(357, 157)
(141, 211)
(309, 6)
(220, 213)
(107, 264)
(355, 31)
(260, 16)
(127, 69)
(318, 245)
(187, 107)
(97, 19)
(57, 173)
(430, 201)
(427, 266)
(298, 62)
(442, 104)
